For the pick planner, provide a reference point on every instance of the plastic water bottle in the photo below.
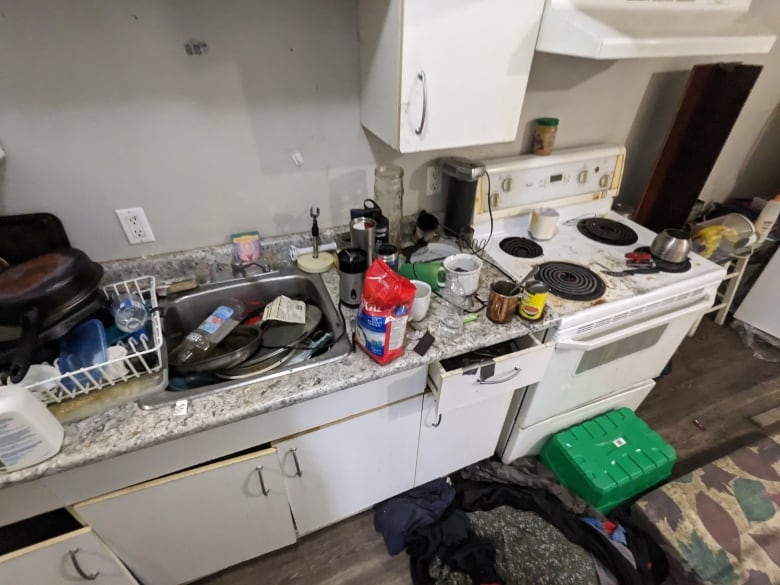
(129, 312)
(200, 342)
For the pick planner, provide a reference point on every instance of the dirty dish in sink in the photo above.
(237, 347)
(279, 340)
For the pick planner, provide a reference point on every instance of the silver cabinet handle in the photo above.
(421, 77)
(294, 452)
(437, 423)
(79, 570)
(512, 374)
(265, 491)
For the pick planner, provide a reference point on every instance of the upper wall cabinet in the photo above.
(445, 73)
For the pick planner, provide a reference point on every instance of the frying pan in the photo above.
(45, 289)
(240, 343)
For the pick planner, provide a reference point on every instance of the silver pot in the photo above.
(671, 246)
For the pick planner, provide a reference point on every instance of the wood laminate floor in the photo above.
(715, 379)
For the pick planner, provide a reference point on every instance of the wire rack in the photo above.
(144, 354)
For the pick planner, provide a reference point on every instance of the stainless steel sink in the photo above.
(184, 313)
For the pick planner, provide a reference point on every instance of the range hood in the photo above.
(629, 29)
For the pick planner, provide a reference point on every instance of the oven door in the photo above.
(591, 367)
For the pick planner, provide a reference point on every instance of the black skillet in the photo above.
(44, 290)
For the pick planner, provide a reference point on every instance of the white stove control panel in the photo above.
(519, 184)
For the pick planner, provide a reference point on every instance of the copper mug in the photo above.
(502, 301)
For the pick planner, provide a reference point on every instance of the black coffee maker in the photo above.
(461, 177)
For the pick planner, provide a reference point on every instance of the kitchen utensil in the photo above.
(44, 289)
(279, 339)
(462, 176)
(23, 237)
(465, 269)
(502, 301)
(236, 348)
(317, 341)
(29, 433)
(422, 300)
(258, 368)
(724, 237)
(543, 224)
(631, 271)
(671, 245)
(431, 272)
(83, 347)
(665, 266)
(363, 235)
(353, 263)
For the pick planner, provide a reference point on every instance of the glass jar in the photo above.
(545, 131)
(389, 195)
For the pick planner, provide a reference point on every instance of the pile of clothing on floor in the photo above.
(514, 525)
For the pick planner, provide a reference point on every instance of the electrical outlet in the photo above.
(135, 225)
(434, 181)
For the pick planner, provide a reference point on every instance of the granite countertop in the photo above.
(127, 428)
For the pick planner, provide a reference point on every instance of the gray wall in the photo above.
(100, 108)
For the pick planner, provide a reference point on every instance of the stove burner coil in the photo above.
(607, 231)
(521, 247)
(571, 281)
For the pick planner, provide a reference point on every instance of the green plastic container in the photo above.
(609, 459)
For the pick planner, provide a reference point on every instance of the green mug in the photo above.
(431, 272)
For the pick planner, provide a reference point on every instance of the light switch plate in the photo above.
(135, 225)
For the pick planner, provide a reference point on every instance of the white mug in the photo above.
(422, 300)
(462, 273)
(544, 222)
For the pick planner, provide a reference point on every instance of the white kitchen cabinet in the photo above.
(191, 524)
(452, 440)
(61, 559)
(441, 73)
(341, 469)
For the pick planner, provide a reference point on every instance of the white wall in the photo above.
(100, 108)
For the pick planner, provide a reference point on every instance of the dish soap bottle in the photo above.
(200, 342)
(766, 221)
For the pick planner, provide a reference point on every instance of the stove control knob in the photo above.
(582, 177)
(506, 185)
(604, 181)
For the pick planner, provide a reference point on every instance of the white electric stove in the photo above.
(616, 333)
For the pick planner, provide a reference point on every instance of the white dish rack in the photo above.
(144, 356)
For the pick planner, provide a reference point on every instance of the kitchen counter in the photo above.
(128, 428)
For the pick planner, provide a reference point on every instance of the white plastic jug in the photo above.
(29, 433)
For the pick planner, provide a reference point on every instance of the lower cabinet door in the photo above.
(72, 558)
(185, 526)
(341, 469)
(452, 440)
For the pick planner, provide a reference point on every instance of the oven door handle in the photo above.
(634, 329)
